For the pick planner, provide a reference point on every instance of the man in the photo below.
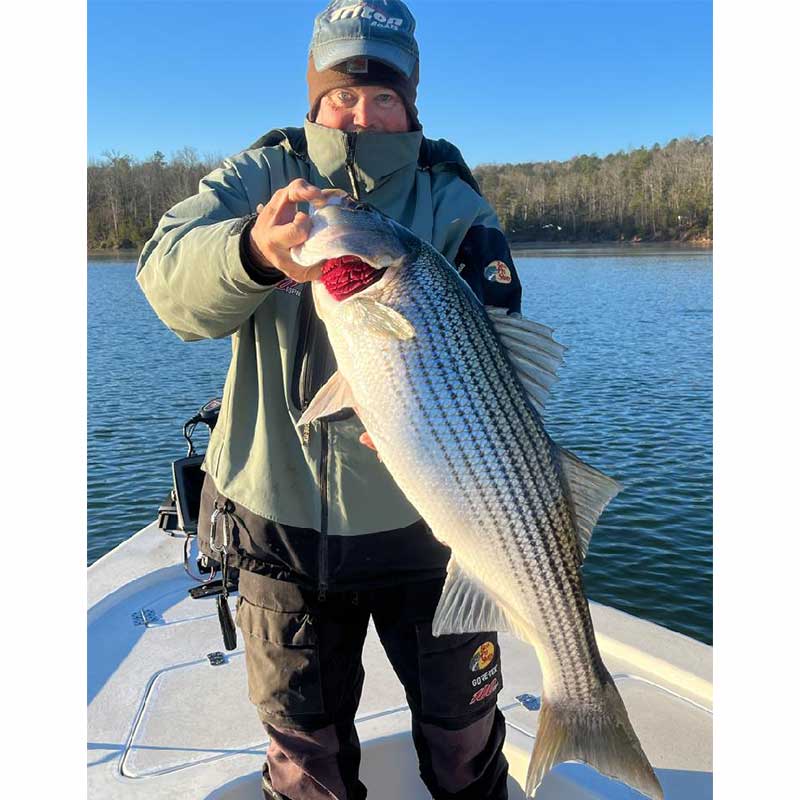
(321, 534)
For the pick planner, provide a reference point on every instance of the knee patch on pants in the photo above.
(465, 763)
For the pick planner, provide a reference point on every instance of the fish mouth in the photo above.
(347, 275)
(342, 228)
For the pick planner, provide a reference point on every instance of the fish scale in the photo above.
(441, 389)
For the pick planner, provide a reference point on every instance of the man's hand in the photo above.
(280, 226)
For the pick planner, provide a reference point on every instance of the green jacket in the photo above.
(196, 277)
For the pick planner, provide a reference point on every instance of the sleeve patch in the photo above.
(498, 272)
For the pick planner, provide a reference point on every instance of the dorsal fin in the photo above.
(536, 356)
(590, 491)
(532, 350)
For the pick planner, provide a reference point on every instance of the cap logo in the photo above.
(364, 11)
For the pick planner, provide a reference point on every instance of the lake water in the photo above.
(634, 400)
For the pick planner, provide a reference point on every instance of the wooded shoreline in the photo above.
(518, 249)
(656, 195)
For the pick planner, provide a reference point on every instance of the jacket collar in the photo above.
(370, 159)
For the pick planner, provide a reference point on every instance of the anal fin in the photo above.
(466, 606)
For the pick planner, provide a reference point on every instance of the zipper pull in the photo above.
(350, 163)
(306, 433)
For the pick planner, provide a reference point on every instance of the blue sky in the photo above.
(505, 81)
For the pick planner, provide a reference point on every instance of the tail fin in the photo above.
(600, 735)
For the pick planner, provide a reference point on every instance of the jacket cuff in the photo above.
(264, 276)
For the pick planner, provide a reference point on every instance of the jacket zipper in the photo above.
(350, 163)
(312, 380)
(314, 366)
(323, 523)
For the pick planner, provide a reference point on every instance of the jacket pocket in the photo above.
(282, 659)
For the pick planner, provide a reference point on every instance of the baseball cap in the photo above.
(353, 29)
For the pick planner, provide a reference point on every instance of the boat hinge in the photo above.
(145, 616)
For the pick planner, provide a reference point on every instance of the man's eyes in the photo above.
(386, 100)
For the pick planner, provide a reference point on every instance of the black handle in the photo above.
(226, 623)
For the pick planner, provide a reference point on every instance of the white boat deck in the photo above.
(164, 723)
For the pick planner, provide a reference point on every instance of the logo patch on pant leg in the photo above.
(482, 657)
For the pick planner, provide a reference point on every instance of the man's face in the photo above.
(363, 108)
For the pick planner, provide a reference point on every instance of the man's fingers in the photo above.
(296, 272)
(299, 191)
(327, 194)
(313, 273)
(294, 232)
(302, 222)
(283, 204)
(280, 227)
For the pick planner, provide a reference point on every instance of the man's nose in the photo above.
(362, 113)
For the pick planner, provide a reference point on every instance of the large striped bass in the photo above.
(451, 395)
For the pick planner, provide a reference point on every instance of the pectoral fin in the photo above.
(334, 395)
(377, 318)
